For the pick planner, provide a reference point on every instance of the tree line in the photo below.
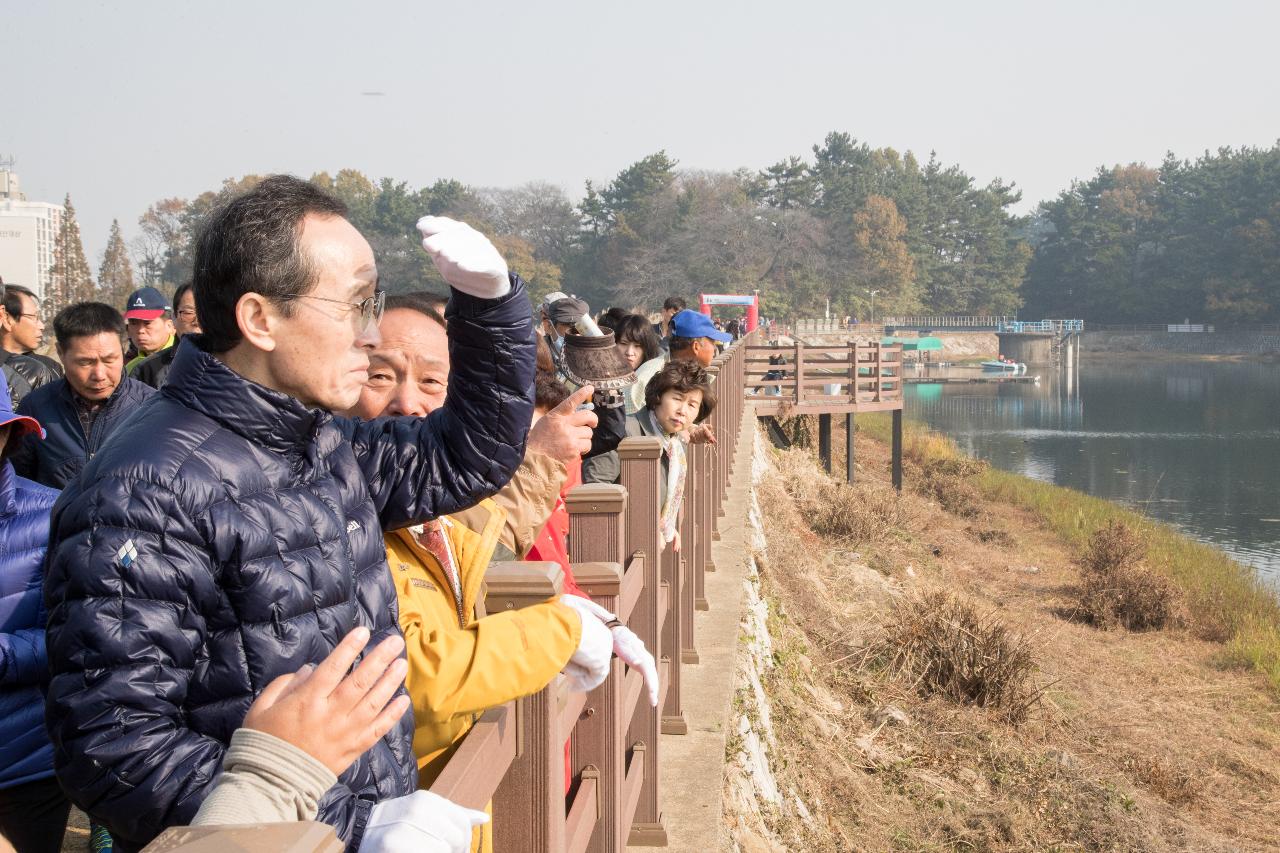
(849, 221)
(849, 227)
(1194, 240)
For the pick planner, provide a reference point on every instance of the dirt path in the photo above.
(1141, 741)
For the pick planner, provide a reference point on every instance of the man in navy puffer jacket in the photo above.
(81, 410)
(33, 809)
(231, 531)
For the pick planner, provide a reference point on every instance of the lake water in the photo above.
(1195, 444)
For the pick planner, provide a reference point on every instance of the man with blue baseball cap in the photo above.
(693, 337)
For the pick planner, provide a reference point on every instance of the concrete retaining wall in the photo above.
(1190, 343)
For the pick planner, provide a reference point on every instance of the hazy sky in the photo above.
(121, 104)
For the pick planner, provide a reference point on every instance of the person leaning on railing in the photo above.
(233, 533)
(461, 664)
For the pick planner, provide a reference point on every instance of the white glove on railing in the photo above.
(423, 822)
(589, 666)
(626, 644)
(465, 257)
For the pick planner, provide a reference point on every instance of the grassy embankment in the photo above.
(1226, 601)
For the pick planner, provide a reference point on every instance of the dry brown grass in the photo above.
(851, 515)
(1142, 742)
(945, 647)
(950, 481)
(1117, 589)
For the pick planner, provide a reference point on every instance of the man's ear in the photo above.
(257, 319)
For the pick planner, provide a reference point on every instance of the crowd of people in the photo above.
(245, 529)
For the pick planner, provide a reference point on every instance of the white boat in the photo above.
(995, 366)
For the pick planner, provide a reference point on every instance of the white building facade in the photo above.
(28, 232)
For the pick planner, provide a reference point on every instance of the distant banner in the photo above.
(726, 299)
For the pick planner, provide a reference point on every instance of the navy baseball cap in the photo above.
(692, 324)
(146, 303)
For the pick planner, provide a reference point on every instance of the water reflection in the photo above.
(1196, 444)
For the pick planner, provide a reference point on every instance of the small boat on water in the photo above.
(996, 366)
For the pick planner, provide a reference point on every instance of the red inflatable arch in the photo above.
(708, 300)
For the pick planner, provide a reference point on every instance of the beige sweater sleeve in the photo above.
(265, 780)
(528, 498)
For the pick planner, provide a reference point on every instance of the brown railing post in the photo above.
(799, 357)
(599, 739)
(596, 511)
(853, 371)
(640, 462)
(675, 578)
(697, 552)
(528, 805)
(896, 449)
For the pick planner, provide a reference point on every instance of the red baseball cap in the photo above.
(23, 423)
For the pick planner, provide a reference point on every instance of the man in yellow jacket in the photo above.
(461, 663)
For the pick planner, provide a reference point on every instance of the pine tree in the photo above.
(115, 276)
(71, 280)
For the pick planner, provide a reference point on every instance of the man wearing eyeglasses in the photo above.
(233, 532)
(21, 332)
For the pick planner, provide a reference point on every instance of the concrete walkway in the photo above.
(693, 764)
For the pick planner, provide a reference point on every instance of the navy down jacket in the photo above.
(25, 752)
(227, 535)
(65, 450)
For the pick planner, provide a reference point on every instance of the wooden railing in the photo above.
(856, 376)
(514, 755)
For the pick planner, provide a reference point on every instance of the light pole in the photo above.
(873, 304)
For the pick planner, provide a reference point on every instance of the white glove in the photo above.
(465, 257)
(423, 822)
(626, 644)
(589, 666)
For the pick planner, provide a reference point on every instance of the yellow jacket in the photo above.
(459, 664)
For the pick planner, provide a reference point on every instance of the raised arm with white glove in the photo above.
(422, 822)
(465, 257)
(626, 644)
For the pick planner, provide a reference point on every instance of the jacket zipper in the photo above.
(451, 569)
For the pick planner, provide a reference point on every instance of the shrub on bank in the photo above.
(1118, 590)
(946, 648)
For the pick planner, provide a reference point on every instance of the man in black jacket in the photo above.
(232, 531)
(21, 332)
(81, 410)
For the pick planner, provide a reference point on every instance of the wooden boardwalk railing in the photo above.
(785, 380)
(514, 756)
(858, 376)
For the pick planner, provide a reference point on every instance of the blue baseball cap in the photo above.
(692, 324)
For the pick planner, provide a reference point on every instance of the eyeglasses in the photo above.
(370, 309)
(186, 313)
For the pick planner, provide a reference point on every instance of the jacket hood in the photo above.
(267, 418)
